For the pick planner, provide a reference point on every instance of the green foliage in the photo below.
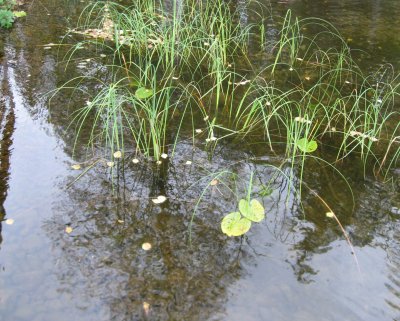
(252, 210)
(307, 146)
(6, 18)
(234, 224)
(7, 15)
(189, 63)
(143, 93)
(19, 14)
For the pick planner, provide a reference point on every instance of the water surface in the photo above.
(296, 265)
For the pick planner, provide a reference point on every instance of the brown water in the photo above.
(292, 266)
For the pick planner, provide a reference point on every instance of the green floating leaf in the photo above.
(19, 14)
(234, 225)
(307, 146)
(253, 211)
(143, 93)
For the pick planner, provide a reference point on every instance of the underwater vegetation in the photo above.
(185, 72)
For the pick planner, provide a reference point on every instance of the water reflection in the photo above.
(368, 25)
(104, 255)
(101, 270)
(7, 127)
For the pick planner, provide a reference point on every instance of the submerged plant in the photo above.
(173, 68)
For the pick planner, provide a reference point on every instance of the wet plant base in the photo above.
(197, 160)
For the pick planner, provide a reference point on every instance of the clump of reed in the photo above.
(187, 56)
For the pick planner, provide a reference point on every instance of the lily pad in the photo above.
(253, 211)
(234, 224)
(307, 146)
(143, 93)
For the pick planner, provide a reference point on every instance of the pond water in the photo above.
(295, 265)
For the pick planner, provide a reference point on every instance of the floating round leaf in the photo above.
(143, 93)
(253, 211)
(307, 146)
(235, 225)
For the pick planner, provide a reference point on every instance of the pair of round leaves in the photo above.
(234, 224)
(306, 146)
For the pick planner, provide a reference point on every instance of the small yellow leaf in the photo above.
(146, 307)
(68, 229)
(160, 199)
(330, 214)
(76, 166)
(118, 154)
(214, 182)
(120, 221)
(146, 246)
(9, 221)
